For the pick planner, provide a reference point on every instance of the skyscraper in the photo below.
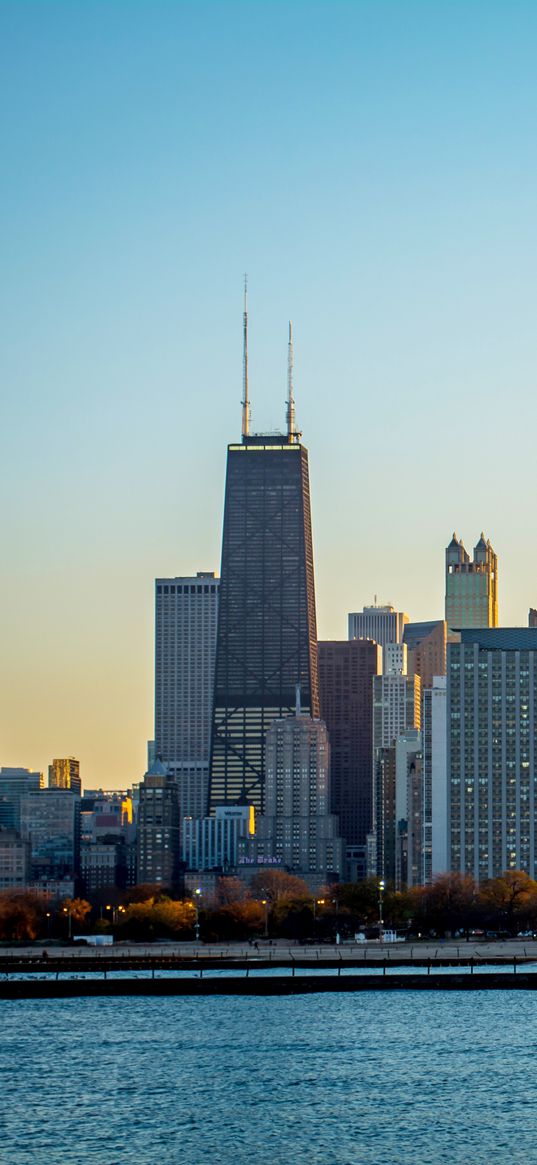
(185, 643)
(158, 837)
(64, 773)
(383, 624)
(267, 635)
(471, 585)
(492, 751)
(396, 709)
(346, 671)
(297, 827)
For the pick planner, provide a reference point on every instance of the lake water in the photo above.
(357, 1079)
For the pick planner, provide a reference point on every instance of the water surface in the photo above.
(357, 1079)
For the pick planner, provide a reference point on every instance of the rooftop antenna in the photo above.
(291, 431)
(245, 398)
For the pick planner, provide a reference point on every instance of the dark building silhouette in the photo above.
(158, 836)
(346, 671)
(267, 635)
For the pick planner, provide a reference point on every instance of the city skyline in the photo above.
(401, 244)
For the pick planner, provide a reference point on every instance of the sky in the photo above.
(371, 164)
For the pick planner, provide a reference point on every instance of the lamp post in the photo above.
(316, 902)
(264, 902)
(48, 923)
(67, 911)
(197, 897)
(382, 885)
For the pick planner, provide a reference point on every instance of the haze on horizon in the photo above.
(371, 165)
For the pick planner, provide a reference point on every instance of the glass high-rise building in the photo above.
(267, 634)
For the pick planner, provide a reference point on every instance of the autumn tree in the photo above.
(448, 904)
(22, 915)
(150, 919)
(231, 890)
(508, 901)
(277, 885)
(78, 908)
(234, 921)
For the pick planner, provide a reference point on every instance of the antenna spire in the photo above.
(245, 397)
(291, 430)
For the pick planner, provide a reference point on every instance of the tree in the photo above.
(230, 890)
(22, 915)
(508, 901)
(277, 885)
(78, 908)
(448, 904)
(165, 918)
(235, 921)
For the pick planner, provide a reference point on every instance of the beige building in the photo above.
(471, 586)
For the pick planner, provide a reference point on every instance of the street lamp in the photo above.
(316, 902)
(264, 902)
(67, 911)
(382, 885)
(196, 906)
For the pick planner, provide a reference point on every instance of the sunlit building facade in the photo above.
(471, 585)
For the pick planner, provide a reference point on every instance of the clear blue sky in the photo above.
(372, 165)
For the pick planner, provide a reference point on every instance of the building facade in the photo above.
(267, 635)
(426, 644)
(64, 773)
(396, 709)
(383, 624)
(471, 585)
(50, 822)
(297, 828)
(158, 834)
(492, 751)
(213, 842)
(14, 783)
(14, 860)
(186, 611)
(435, 782)
(346, 671)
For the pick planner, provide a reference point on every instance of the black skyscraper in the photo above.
(267, 636)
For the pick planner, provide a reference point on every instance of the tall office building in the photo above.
(346, 671)
(297, 827)
(471, 585)
(383, 624)
(492, 751)
(158, 836)
(64, 773)
(185, 643)
(396, 709)
(435, 782)
(267, 635)
(14, 783)
(426, 644)
(396, 698)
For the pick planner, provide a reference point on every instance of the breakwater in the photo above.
(52, 987)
